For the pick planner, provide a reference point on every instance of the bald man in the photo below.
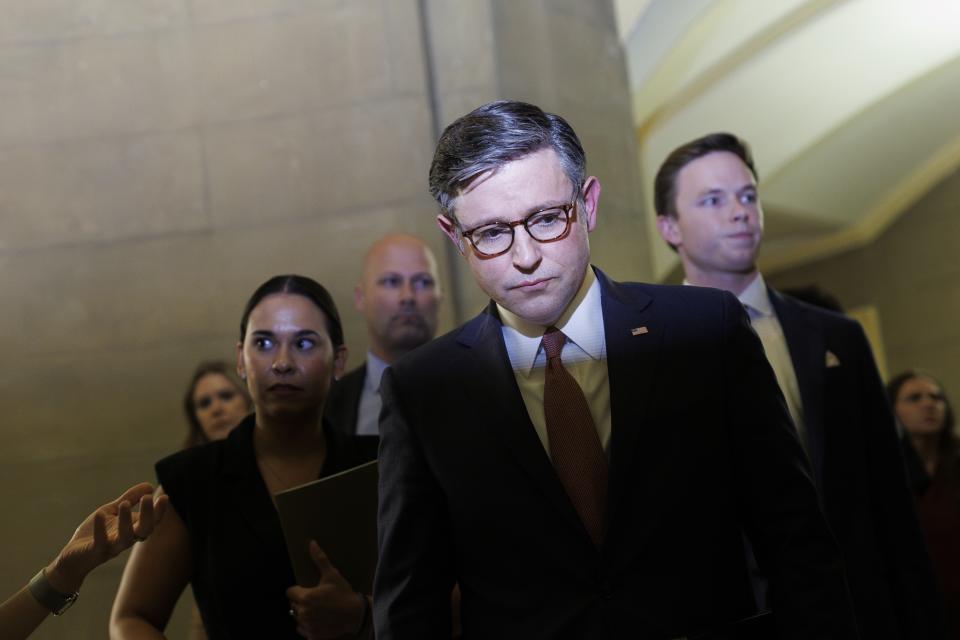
(398, 295)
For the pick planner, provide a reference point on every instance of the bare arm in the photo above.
(155, 576)
(101, 536)
(197, 631)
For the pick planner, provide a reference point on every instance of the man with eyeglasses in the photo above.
(399, 295)
(583, 456)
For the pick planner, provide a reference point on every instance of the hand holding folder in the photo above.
(339, 512)
(331, 608)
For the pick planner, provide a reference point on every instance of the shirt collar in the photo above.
(579, 322)
(375, 369)
(755, 296)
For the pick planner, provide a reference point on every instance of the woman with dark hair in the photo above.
(932, 455)
(222, 534)
(215, 402)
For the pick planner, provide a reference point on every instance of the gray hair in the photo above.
(494, 134)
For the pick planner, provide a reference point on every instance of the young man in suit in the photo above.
(398, 295)
(583, 456)
(709, 211)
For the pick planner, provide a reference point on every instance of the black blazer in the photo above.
(860, 472)
(343, 401)
(701, 449)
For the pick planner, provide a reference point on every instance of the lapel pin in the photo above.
(832, 360)
(638, 331)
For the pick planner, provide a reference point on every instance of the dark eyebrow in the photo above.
(708, 192)
(717, 190)
(270, 334)
(530, 212)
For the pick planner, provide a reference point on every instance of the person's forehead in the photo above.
(210, 381)
(921, 383)
(515, 188)
(720, 168)
(285, 311)
(402, 258)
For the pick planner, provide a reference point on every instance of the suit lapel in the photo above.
(633, 337)
(343, 402)
(499, 406)
(353, 393)
(807, 351)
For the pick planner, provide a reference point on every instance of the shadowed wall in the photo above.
(911, 273)
(159, 159)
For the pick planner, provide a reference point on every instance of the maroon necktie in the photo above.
(574, 444)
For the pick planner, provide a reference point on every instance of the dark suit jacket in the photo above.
(342, 409)
(343, 401)
(701, 448)
(860, 471)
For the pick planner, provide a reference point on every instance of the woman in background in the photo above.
(215, 402)
(932, 455)
(222, 533)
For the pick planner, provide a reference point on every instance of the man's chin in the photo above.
(410, 339)
(543, 314)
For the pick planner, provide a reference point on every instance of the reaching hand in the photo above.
(105, 533)
(329, 610)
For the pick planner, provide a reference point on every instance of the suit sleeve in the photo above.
(415, 572)
(778, 500)
(910, 571)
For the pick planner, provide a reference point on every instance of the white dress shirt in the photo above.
(584, 355)
(368, 411)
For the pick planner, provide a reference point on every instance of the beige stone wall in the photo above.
(158, 159)
(911, 274)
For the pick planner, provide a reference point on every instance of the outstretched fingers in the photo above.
(125, 535)
(144, 519)
(133, 494)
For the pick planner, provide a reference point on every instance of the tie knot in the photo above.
(553, 341)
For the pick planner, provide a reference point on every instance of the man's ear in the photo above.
(669, 230)
(449, 229)
(340, 362)
(591, 199)
(358, 298)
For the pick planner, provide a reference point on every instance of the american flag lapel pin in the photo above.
(638, 331)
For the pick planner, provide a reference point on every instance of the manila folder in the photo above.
(340, 513)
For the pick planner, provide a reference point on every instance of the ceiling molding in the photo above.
(723, 67)
(629, 13)
(878, 218)
(901, 89)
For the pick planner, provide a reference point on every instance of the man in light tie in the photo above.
(708, 210)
